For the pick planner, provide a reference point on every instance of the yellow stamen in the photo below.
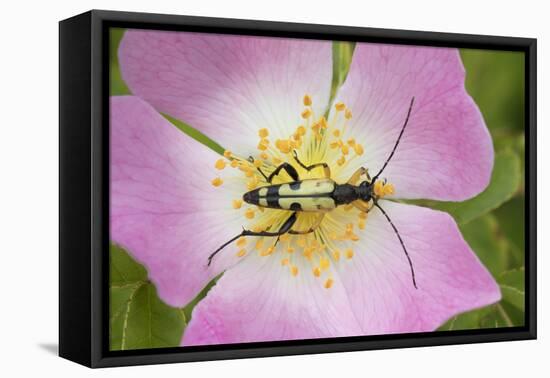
(345, 149)
(336, 133)
(316, 271)
(259, 244)
(241, 242)
(306, 114)
(258, 163)
(301, 130)
(341, 160)
(227, 154)
(307, 100)
(361, 224)
(234, 163)
(348, 114)
(264, 156)
(237, 203)
(249, 214)
(294, 270)
(268, 251)
(351, 142)
(241, 252)
(336, 255)
(328, 283)
(217, 181)
(358, 149)
(285, 262)
(220, 164)
(340, 106)
(362, 215)
(324, 263)
(263, 133)
(349, 253)
(283, 145)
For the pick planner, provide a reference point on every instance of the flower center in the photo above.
(315, 140)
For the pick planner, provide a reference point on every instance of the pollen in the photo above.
(259, 244)
(294, 270)
(307, 100)
(328, 283)
(363, 215)
(249, 214)
(285, 262)
(227, 154)
(263, 133)
(336, 133)
(348, 114)
(241, 242)
(267, 251)
(361, 224)
(349, 253)
(341, 161)
(220, 164)
(263, 145)
(306, 114)
(345, 149)
(340, 106)
(358, 149)
(382, 189)
(217, 181)
(237, 204)
(301, 130)
(324, 263)
(317, 271)
(241, 252)
(283, 145)
(336, 255)
(234, 164)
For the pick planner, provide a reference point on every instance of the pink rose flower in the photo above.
(174, 201)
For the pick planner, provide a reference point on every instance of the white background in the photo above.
(29, 186)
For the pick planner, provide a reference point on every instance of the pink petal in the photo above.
(446, 152)
(449, 276)
(164, 210)
(372, 293)
(228, 87)
(259, 300)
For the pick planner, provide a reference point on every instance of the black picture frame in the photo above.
(84, 187)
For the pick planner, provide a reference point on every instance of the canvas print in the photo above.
(273, 189)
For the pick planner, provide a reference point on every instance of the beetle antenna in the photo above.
(400, 241)
(397, 142)
(223, 246)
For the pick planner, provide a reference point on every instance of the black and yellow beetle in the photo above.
(317, 195)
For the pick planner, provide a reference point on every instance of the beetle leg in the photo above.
(325, 166)
(312, 228)
(282, 230)
(357, 175)
(362, 206)
(287, 167)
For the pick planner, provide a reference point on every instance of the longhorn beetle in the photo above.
(319, 196)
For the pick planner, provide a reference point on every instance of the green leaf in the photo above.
(512, 286)
(505, 181)
(138, 317)
(482, 234)
(496, 81)
(342, 53)
(511, 221)
(117, 86)
(194, 133)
